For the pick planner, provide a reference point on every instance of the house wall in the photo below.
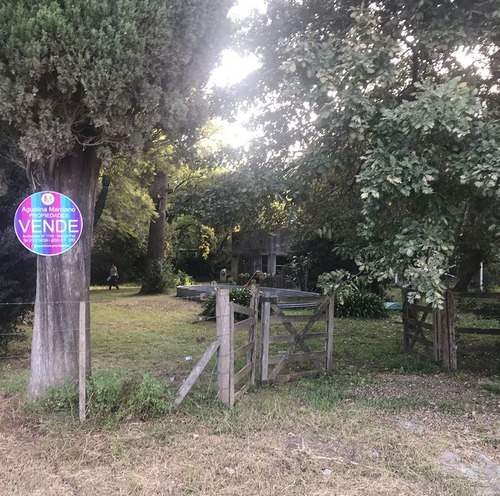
(258, 251)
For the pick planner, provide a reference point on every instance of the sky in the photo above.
(231, 70)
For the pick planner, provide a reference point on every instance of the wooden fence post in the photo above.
(265, 326)
(225, 362)
(450, 311)
(406, 315)
(252, 332)
(82, 362)
(436, 335)
(329, 329)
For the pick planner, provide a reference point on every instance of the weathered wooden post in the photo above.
(264, 339)
(436, 335)
(225, 362)
(329, 331)
(406, 316)
(82, 362)
(252, 332)
(450, 311)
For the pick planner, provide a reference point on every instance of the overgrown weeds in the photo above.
(111, 396)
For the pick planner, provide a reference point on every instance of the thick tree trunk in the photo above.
(153, 279)
(63, 281)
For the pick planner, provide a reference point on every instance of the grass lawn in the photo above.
(382, 424)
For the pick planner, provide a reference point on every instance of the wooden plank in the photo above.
(225, 362)
(477, 330)
(425, 342)
(278, 319)
(412, 314)
(485, 296)
(297, 357)
(329, 332)
(289, 338)
(445, 341)
(435, 336)
(418, 324)
(242, 391)
(196, 372)
(252, 332)
(451, 314)
(421, 356)
(481, 348)
(297, 375)
(243, 325)
(264, 340)
(243, 350)
(300, 299)
(406, 336)
(420, 308)
(82, 362)
(242, 373)
(241, 309)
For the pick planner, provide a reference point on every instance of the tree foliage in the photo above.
(79, 81)
(102, 72)
(376, 121)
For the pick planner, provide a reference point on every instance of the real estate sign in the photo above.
(48, 223)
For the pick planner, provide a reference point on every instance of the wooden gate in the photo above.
(300, 340)
(231, 385)
(421, 330)
(429, 333)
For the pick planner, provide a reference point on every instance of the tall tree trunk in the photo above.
(153, 279)
(468, 267)
(63, 280)
(101, 198)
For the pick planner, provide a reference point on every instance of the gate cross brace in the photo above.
(298, 339)
(419, 331)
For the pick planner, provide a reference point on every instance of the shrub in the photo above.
(112, 396)
(9, 333)
(361, 304)
(182, 279)
(151, 399)
(351, 299)
(241, 296)
(104, 392)
(63, 396)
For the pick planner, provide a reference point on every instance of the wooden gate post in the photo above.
(450, 314)
(264, 339)
(252, 332)
(82, 363)
(329, 331)
(225, 362)
(406, 315)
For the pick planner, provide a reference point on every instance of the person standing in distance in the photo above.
(113, 277)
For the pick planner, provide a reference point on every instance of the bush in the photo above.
(63, 396)
(180, 278)
(9, 333)
(104, 393)
(112, 396)
(361, 304)
(241, 296)
(151, 399)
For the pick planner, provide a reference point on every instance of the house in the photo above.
(259, 250)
